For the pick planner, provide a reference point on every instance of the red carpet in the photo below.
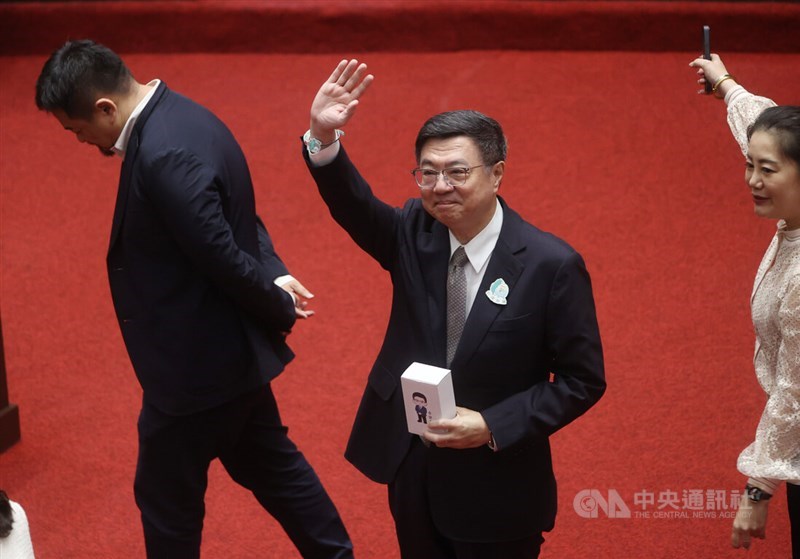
(612, 151)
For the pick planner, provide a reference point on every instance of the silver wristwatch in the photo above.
(313, 145)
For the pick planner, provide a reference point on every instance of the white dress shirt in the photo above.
(121, 145)
(478, 250)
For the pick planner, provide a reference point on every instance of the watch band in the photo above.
(313, 145)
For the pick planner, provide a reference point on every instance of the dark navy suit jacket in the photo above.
(501, 368)
(190, 265)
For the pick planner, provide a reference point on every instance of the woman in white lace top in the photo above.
(15, 538)
(769, 137)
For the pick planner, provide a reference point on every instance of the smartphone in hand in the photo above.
(707, 51)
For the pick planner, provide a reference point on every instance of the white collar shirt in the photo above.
(479, 250)
(121, 145)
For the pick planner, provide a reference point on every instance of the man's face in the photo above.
(100, 131)
(466, 209)
(419, 401)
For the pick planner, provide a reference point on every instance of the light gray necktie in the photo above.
(456, 301)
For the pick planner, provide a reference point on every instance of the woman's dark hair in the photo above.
(483, 130)
(6, 515)
(784, 123)
(76, 74)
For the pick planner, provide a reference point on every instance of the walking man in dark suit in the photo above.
(203, 302)
(478, 290)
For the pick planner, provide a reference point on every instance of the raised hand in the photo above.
(710, 71)
(337, 99)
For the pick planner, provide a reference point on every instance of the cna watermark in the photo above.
(667, 504)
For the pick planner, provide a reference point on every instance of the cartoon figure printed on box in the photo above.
(420, 407)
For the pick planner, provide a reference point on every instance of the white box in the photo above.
(427, 395)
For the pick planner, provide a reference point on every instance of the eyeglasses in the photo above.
(454, 176)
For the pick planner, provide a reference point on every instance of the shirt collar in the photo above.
(121, 145)
(480, 248)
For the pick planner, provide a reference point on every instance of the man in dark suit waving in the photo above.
(476, 289)
(203, 302)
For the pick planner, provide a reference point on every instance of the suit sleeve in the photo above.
(273, 265)
(184, 193)
(573, 341)
(371, 223)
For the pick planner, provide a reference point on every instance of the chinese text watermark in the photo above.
(686, 503)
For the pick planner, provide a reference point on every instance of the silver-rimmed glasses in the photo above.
(453, 176)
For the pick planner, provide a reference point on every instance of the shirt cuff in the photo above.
(492, 444)
(280, 281)
(765, 484)
(325, 156)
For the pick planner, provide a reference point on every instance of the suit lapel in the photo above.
(503, 264)
(126, 171)
(433, 248)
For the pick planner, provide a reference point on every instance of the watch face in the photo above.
(313, 146)
(756, 494)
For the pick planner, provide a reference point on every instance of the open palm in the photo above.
(337, 99)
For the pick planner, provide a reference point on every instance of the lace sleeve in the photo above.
(775, 454)
(743, 109)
